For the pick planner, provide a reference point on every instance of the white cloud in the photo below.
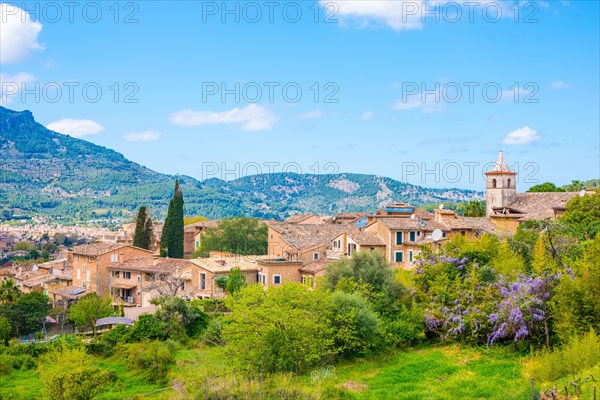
(76, 127)
(251, 118)
(413, 14)
(427, 102)
(398, 15)
(518, 95)
(146, 136)
(311, 114)
(522, 136)
(10, 85)
(560, 85)
(18, 34)
(367, 115)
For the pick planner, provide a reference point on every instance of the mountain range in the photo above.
(68, 179)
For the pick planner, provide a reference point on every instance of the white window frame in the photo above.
(316, 256)
(412, 234)
(277, 276)
(114, 258)
(126, 274)
(410, 256)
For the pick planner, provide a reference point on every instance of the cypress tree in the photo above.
(171, 242)
(141, 237)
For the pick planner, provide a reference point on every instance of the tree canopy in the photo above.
(171, 242)
(246, 236)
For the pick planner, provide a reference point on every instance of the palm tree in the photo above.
(9, 291)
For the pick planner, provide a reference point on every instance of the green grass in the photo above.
(25, 385)
(426, 372)
(448, 372)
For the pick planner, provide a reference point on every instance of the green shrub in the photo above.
(151, 358)
(581, 353)
(356, 328)
(213, 333)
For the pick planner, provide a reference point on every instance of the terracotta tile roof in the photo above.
(306, 236)
(198, 226)
(406, 224)
(69, 292)
(316, 266)
(366, 238)
(480, 224)
(98, 249)
(151, 264)
(540, 205)
(294, 219)
(224, 265)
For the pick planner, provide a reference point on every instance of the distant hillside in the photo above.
(47, 173)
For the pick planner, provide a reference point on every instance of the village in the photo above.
(299, 249)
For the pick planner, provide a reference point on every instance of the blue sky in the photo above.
(361, 67)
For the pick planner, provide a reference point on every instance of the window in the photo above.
(303, 279)
(443, 234)
(149, 277)
(276, 279)
(463, 233)
(139, 278)
(83, 268)
(399, 237)
(89, 260)
(116, 274)
(410, 255)
(197, 244)
(126, 275)
(77, 257)
(508, 182)
(412, 236)
(399, 256)
(493, 184)
(114, 258)
(315, 256)
(78, 273)
(202, 281)
(83, 284)
(264, 279)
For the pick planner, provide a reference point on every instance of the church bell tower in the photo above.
(500, 185)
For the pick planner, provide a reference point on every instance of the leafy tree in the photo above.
(574, 186)
(5, 330)
(171, 242)
(192, 220)
(235, 282)
(143, 236)
(541, 261)
(71, 374)
(545, 187)
(576, 304)
(9, 291)
(474, 208)
(152, 358)
(246, 236)
(373, 275)
(27, 313)
(356, 328)
(281, 328)
(179, 318)
(582, 216)
(506, 262)
(89, 309)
